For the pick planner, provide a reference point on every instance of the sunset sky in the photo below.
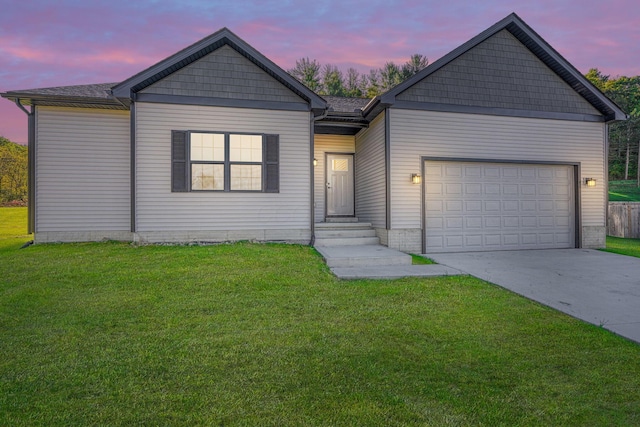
(46, 43)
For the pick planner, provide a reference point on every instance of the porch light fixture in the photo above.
(591, 182)
(416, 178)
(315, 162)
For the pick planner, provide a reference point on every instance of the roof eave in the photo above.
(64, 101)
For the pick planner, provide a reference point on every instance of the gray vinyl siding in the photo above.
(470, 136)
(82, 170)
(160, 210)
(327, 144)
(370, 174)
(224, 73)
(499, 73)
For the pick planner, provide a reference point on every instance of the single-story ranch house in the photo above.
(501, 144)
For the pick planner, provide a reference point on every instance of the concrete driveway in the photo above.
(595, 286)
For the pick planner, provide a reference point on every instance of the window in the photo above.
(221, 161)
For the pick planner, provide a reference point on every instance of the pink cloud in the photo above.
(25, 52)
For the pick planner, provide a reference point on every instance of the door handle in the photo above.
(328, 186)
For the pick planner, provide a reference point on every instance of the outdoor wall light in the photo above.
(591, 182)
(416, 178)
(315, 162)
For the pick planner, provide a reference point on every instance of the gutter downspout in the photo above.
(31, 163)
(132, 158)
(312, 171)
(132, 164)
(606, 179)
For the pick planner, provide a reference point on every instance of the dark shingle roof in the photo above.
(337, 104)
(345, 105)
(100, 90)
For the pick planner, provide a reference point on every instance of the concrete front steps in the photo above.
(352, 251)
(343, 233)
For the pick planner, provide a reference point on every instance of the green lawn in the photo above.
(622, 246)
(624, 191)
(247, 334)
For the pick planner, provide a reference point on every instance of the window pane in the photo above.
(207, 146)
(340, 165)
(246, 177)
(245, 148)
(207, 177)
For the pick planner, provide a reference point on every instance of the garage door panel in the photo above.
(473, 240)
(545, 189)
(473, 189)
(454, 189)
(510, 205)
(452, 171)
(454, 206)
(473, 206)
(510, 189)
(433, 188)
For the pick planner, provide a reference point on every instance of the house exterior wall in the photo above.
(415, 134)
(224, 73)
(370, 175)
(82, 174)
(499, 73)
(326, 144)
(220, 216)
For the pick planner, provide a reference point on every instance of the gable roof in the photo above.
(538, 46)
(205, 46)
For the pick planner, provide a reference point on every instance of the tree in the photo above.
(329, 80)
(371, 84)
(307, 72)
(624, 137)
(416, 63)
(332, 83)
(390, 76)
(13, 171)
(352, 84)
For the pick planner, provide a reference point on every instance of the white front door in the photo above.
(340, 193)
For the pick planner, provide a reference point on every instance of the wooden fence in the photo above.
(624, 219)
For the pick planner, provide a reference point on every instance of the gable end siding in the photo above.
(224, 73)
(499, 73)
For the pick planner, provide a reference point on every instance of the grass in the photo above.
(420, 260)
(248, 334)
(622, 246)
(624, 191)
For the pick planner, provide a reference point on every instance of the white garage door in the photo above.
(472, 206)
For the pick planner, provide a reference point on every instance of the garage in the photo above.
(481, 206)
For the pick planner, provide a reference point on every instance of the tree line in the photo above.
(624, 137)
(13, 171)
(329, 80)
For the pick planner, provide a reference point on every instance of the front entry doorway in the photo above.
(339, 185)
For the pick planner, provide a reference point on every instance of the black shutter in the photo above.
(179, 163)
(271, 164)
